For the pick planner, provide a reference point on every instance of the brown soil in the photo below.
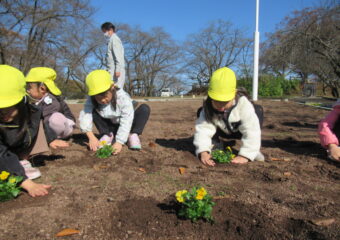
(115, 199)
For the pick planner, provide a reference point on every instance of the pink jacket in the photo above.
(326, 125)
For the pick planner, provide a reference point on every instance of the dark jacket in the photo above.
(12, 142)
(54, 104)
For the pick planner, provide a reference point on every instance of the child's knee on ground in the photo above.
(61, 125)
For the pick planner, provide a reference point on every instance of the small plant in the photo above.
(195, 204)
(221, 156)
(8, 186)
(105, 150)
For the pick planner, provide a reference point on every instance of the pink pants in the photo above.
(61, 125)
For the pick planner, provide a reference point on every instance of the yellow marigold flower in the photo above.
(12, 180)
(179, 195)
(221, 151)
(229, 149)
(233, 156)
(200, 193)
(102, 143)
(4, 175)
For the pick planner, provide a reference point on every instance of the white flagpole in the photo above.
(256, 54)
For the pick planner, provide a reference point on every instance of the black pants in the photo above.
(105, 126)
(236, 135)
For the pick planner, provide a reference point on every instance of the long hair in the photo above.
(113, 100)
(211, 113)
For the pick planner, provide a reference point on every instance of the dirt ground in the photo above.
(113, 199)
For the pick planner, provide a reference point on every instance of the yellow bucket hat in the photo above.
(222, 85)
(46, 76)
(98, 81)
(12, 86)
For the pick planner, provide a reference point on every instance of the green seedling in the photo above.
(195, 204)
(221, 156)
(8, 186)
(105, 151)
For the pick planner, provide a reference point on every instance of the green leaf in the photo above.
(195, 209)
(105, 152)
(15, 192)
(221, 156)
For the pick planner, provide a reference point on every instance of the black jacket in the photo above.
(11, 142)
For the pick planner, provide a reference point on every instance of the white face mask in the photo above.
(107, 35)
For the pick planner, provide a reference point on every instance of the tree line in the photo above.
(60, 34)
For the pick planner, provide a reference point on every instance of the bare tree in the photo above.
(32, 32)
(216, 46)
(245, 65)
(308, 43)
(151, 59)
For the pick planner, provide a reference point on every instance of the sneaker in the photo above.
(106, 140)
(259, 157)
(69, 126)
(330, 156)
(30, 172)
(134, 142)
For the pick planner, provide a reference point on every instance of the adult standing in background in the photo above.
(115, 62)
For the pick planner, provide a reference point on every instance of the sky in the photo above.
(180, 18)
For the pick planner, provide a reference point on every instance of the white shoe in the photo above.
(30, 172)
(259, 157)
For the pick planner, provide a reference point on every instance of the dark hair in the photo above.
(28, 85)
(211, 113)
(107, 26)
(23, 117)
(113, 100)
(39, 84)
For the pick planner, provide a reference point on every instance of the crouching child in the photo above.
(112, 112)
(59, 120)
(21, 131)
(227, 113)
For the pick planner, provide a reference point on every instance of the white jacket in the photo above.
(244, 113)
(115, 61)
(123, 115)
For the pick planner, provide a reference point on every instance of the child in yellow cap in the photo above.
(112, 112)
(227, 113)
(21, 131)
(59, 120)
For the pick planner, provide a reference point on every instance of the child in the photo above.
(227, 113)
(59, 120)
(329, 132)
(112, 112)
(20, 130)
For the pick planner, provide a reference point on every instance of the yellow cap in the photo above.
(12, 86)
(222, 85)
(98, 81)
(46, 76)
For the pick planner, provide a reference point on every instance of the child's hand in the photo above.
(239, 160)
(334, 151)
(35, 189)
(117, 147)
(205, 158)
(93, 143)
(59, 144)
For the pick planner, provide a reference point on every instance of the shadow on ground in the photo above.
(298, 124)
(40, 160)
(180, 144)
